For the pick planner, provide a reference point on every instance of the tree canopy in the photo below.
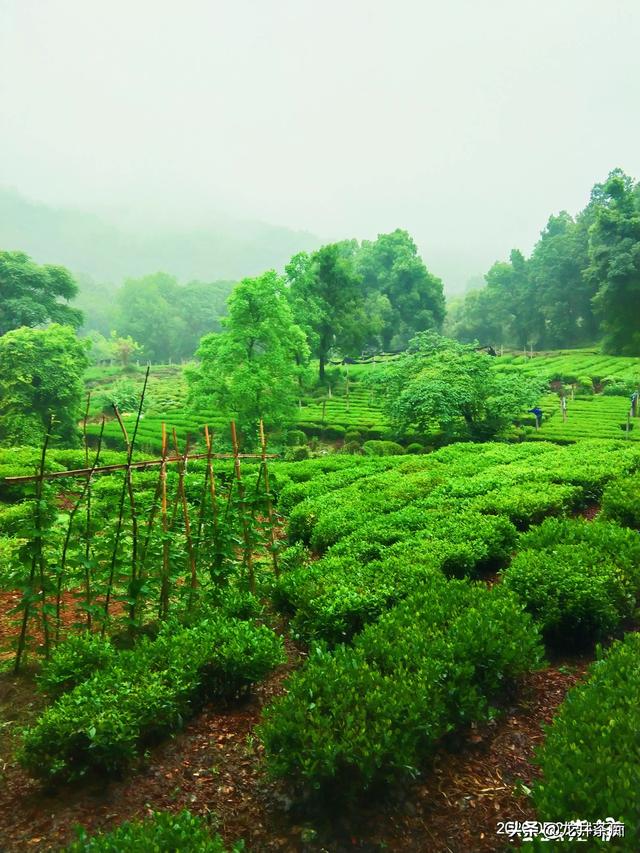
(442, 385)
(41, 374)
(168, 319)
(249, 370)
(581, 282)
(34, 295)
(406, 295)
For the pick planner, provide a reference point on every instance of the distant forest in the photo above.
(580, 285)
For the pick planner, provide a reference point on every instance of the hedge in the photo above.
(371, 713)
(590, 759)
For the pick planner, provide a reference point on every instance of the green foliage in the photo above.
(575, 593)
(162, 833)
(614, 252)
(400, 289)
(591, 755)
(440, 383)
(101, 724)
(297, 454)
(74, 661)
(327, 299)
(382, 448)
(168, 319)
(384, 561)
(374, 712)
(581, 280)
(415, 448)
(33, 295)
(40, 377)
(621, 501)
(295, 438)
(249, 370)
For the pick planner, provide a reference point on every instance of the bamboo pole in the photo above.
(36, 559)
(272, 538)
(164, 586)
(87, 528)
(121, 466)
(187, 526)
(67, 539)
(248, 559)
(134, 519)
(114, 555)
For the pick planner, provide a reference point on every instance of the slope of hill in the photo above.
(91, 245)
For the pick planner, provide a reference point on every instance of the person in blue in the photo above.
(538, 413)
(634, 404)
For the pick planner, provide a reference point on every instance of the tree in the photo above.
(562, 294)
(40, 377)
(614, 253)
(124, 349)
(441, 384)
(391, 269)
(30, 294)
(475, 317)
(326, 288)
(166, 318)
(248, 370)
(146, 312)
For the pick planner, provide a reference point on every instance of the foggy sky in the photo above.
(465, 121)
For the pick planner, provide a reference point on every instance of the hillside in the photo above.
(91, 245)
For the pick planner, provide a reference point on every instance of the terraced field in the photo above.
(352, 406)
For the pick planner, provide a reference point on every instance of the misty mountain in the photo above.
(91, 245)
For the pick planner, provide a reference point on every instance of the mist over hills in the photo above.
(91, 245)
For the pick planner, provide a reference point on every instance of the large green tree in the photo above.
(561, 292)
(249, 370)
(440, 384)
(325, 291)
(166, 318)
(33, 295)
(412, 297)
(614, 253)
(40, 377)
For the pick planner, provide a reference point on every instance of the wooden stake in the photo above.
(272, 538)
(248, 559)
(164, 586)
(187, 526)
(36, 559)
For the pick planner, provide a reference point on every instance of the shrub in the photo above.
(576, 594)
(74, 661)
(621, 501)
(297, 454)
(101, 724)
(352, 447)
(415, 448)
(372, 713)
(591, 756)
(353, 435)
(382, 448)
(295, 438)
(161, 832)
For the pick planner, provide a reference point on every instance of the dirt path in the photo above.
(213, 768)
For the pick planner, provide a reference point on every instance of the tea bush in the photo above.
(162, 833)
(621, 501)
(373, 712)
(101, 724)
(575, 593)
(74, 661)
(590, 759)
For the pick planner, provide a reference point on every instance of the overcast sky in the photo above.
(465, 121)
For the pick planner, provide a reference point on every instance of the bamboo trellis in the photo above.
(139, 550)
